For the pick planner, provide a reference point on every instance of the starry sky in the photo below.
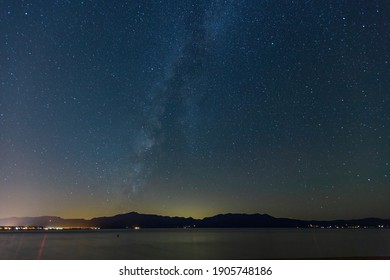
(194, 108)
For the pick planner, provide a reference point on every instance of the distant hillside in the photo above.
(249, 220)
(134, 219)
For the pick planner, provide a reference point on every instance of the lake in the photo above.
(196, 244)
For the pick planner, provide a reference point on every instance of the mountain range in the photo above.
(134, 219)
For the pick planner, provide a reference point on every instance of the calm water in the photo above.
(197, 244)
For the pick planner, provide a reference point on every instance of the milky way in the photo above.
(193, 108)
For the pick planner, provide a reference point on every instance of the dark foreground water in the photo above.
(197, 244)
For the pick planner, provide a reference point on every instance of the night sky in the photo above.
(194, 108)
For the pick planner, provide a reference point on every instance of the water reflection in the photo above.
(196, 244)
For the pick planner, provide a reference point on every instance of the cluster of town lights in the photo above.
(43, 228)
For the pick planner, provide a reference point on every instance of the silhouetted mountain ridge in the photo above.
(230, 220)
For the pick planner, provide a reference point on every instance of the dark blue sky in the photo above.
(193, 108)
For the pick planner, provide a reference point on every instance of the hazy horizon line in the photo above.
(190, 217)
